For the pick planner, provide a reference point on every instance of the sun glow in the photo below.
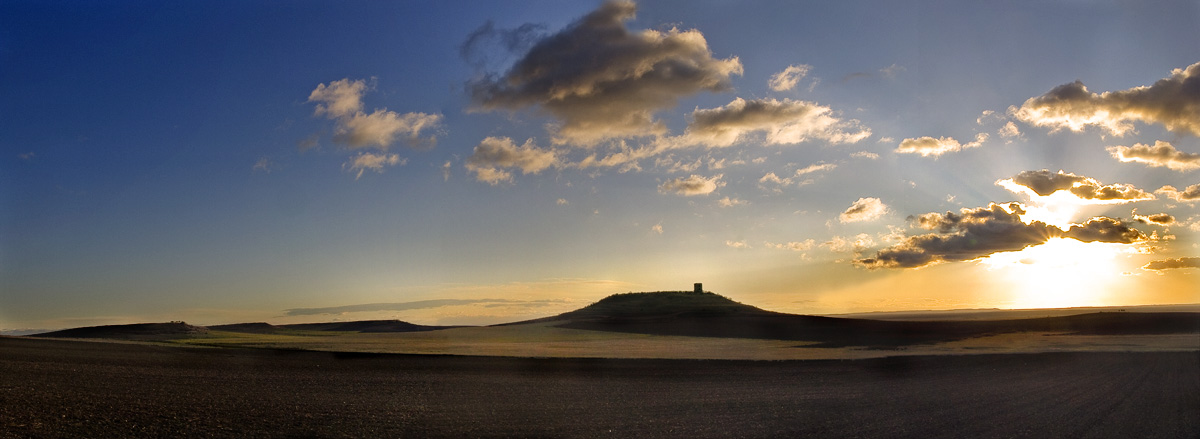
(1060, 273)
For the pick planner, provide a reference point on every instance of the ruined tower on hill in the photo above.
(699, 288)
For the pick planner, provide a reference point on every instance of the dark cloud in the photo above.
(1162, 154)
(404, 306)
(1045, 183)
(488, 46)
(980, 232)
(1173, 101)
(1167, 264)
(603, 81)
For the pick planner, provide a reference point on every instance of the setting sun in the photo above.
(1060, 273)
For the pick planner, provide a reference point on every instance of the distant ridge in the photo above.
(365, 326)
(711, 315)
(136, 331)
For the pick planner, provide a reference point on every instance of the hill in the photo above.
(365, 326)
(136, 331)
(711, 315)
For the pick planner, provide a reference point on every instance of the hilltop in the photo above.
(136, 331)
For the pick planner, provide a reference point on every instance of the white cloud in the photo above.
(341, 101)
(658, 228)
(865, 209)
(730, 202)
(818, 167)
(740, 245)
(865, 155)
(375, 162)
(794, 245)
(789, 77)
(691, 186)
(1162, 154)
(495, 153)
(929, 146)
(783, 122)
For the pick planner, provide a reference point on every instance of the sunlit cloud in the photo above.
(692, 185)
(341, 101)
(865, 155)
(782, 122)
(929, 146)
(1170, 264)
(865, 209)
(370, 161)
(797, 246)
(856, 244)
(976, 233)
(1187, 195)
(657, 228)
(818, 167)
(493, 154)
(740, 245)
(1159, 219)
(1043, 186)
(789, 77)
(730, 202)
(1172, 102)
(1162, 154)
(602, 81)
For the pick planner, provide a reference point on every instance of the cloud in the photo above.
(341, 98)
(783, 122)
(1189, 194)
(602, 81)
(341, 101)
(741, 245)
(865, 209)
(562, 202)
(375, 162)
(789, 77)
(865, 155)
(488, 46)
(693, 185)
(263, 164)
(1087, 190)
(1160, 219)
(1009, 130)
(928, 146)
(857, 244)
(495, 153)
(976, 233)
(1173, 102)
(797, 246)
(818, 167)
(1168, 264)
(405, 306)
(1162, 154)
(658, 228)
(26, 155)
(730, 202)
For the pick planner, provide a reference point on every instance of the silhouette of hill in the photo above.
(711, 315)
(365, 326)
(136, 331)
(249, 328)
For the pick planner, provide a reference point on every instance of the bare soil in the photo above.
(60, 388)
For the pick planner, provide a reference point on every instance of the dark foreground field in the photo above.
(52, 388)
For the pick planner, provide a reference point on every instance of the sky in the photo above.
(484, 162)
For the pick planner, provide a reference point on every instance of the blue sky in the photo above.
(231, 161)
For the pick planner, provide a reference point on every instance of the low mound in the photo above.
(136, 331)
(662, 304)
(712, 315)
(364, 326)
(248, 328)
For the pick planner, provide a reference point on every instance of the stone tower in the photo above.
(699, 288)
